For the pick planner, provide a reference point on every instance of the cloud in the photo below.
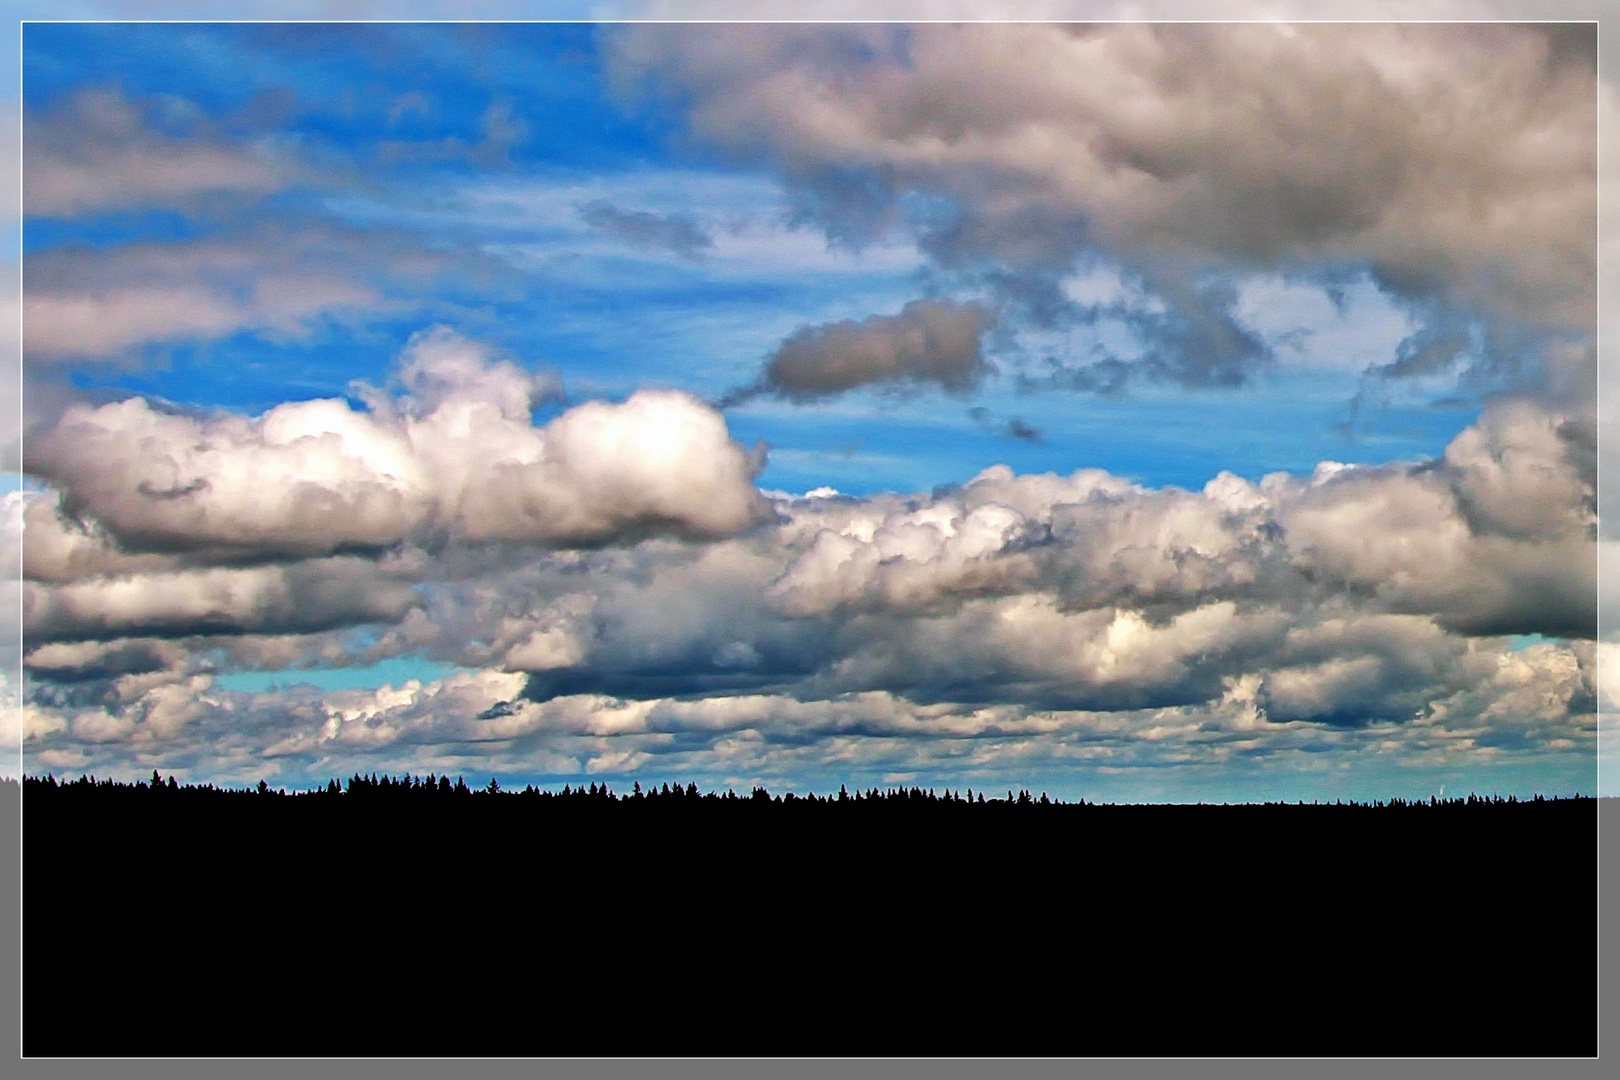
(1501, 706)
(1456, 162)
(1192, 337)
(1351, 596)
(1084, 591)
(85, 660)
(1498, 537)
(457, 458)
(115, 320)
(676, 233)
(96, 152)
(53, 546)
(1014, 428)
(302, 597)
(1051, 10)
(1495, 537)
(10, 392)
(928, 341)
(89, 303)
(291, 270)
(1347, 596)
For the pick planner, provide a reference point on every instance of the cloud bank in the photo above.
(619, 597)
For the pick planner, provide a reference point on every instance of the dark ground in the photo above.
(205, 923)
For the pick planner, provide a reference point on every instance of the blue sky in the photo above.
(854, 281)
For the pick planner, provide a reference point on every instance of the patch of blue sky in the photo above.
(111, 230)
(14, 481)
(707, 341)
(707, 334)
(859, 456)
(1157, 436)
(1348, 325)
(392, 672)
(196, 62)
(1360, 776)
(1275, 777)
(705, 338)
(539, 224)
(249, 372)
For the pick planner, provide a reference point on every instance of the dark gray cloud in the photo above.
(1019, 429)
(1013, 427)
(676, 233)
(928, 341)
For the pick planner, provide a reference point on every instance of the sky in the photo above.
(1136, 412)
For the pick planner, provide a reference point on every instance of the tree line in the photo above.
(373, 787)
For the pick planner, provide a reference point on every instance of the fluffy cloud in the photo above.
(935, 341)
(54, 548)
(1456, 161)
(1495, 537)
(456, 457)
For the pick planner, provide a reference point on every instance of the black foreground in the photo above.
(393, 920)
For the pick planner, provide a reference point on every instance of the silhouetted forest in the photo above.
(426, 916)
(437, 790)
